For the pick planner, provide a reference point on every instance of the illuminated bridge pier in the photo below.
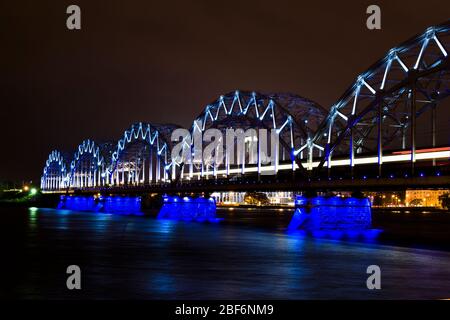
(173, 207)
(98, 203)
(331, 213)
(188, 208)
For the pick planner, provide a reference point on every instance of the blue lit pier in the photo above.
(198, 209)
(331, 213)
(108, 204)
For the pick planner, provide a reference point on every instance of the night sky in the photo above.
(163, 61)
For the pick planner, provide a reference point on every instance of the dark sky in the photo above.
(163, 61)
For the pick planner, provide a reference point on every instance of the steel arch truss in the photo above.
(87, 168)
(141, 155)
(55, 175)
(294, 119)
(380, 109)
(374, 118)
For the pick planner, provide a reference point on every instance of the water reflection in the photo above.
(166, 226)
(140, 257)
(32, 218)
(367, 236)
(162, 283)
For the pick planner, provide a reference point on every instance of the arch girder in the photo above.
(421, 62)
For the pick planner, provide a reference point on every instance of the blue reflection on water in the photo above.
(163, 283)
(368, 235)
(164, 259)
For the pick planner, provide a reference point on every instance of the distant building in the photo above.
(236, 198)
(424, 198)
(281, 198)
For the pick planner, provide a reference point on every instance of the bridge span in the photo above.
(325, 185)
(390, 128)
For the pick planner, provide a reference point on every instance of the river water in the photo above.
(137, 257)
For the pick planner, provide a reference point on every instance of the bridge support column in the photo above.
(403, 136)
(310, 157)
(259, 157)
(328, 159)
(174, 174)
(275, 149)
(143, 171)
(188, 208)
(380, 138)
(202, 170)
(242, 157)
(158, 168)
(191, 165)
(150, 167)
(413, 127)
(292, 156)
(352, 154)
(433, 128)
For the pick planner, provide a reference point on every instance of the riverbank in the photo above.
(47, 201)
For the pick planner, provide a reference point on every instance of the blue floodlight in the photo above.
(188, 209)
(331, 213)
(110, 204)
